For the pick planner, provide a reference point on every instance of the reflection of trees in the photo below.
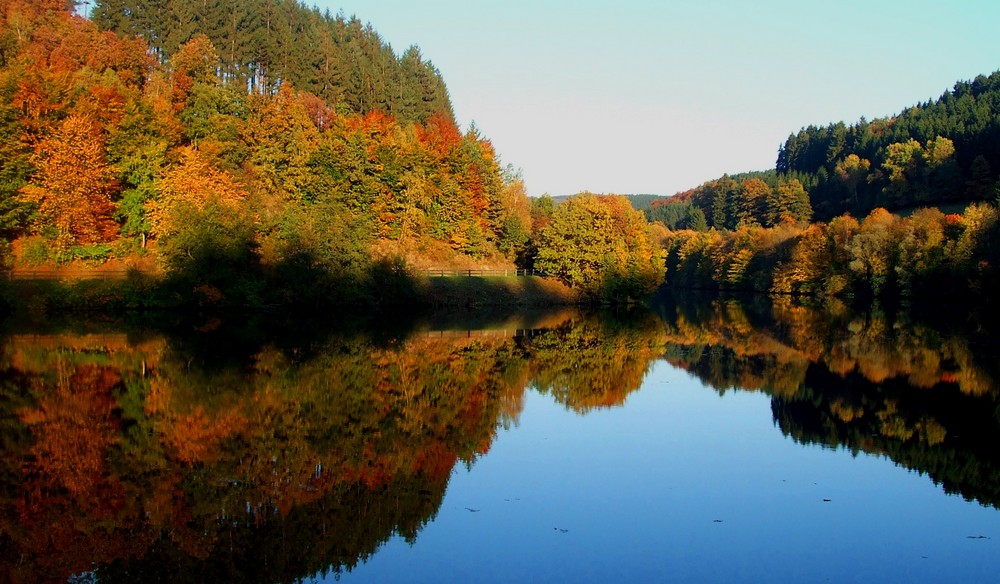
(722, 339)
(118, 452)
(177, 459)
(594, 363)
(876, 382)
(940, 431)
(336, 532)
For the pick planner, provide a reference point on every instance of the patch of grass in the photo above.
(496, 291)
(35, 251)
(94, 254)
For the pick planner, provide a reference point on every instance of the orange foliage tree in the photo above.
(74, 184)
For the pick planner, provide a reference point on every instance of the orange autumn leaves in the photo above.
(74, 183)
(115, 147)
(189, 187)
(884, 255)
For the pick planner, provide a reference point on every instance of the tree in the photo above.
(753, 201)
(196, 61)
(280, 139)
(15, 163)
(601, 245)
(944, 177)
(875, 249)
(790, 200)
(205, 232)
(725, 193)
(189, 187)
(851, 173)
(694, 219)
(979, 187)
(74, 184)
(904, 161)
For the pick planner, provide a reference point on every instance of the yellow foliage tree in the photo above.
(601, 245)
(190, 185)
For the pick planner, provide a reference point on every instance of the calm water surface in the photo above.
(683, 485)
(696, 442)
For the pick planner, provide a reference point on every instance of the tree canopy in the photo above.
(601, 245)
(203, 128)
(263, 44)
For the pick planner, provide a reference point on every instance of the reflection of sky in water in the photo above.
(682, 485)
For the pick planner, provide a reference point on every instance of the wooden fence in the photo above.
(50, 274)
(476, 273)
(480, 333)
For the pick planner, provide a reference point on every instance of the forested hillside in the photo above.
(902, 207)
(264, 43)
(938, 153)
(238, 159)
(932, 153)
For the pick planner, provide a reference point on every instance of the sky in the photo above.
(644, 96)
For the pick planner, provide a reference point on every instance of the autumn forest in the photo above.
(252, 153)
(268, 308)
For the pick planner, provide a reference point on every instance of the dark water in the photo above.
(695, 441)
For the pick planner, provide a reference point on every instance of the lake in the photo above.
(708, 440)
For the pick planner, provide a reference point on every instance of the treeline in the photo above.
(263, 44)
(248, 185)
(248, 193)
(752, 231)
(884, 256)
(932, 153)
(942, 152)
(755, 198)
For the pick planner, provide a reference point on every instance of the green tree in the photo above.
(904, 163)
(851, 173)
(790, 200)
(695, 219)
(944, 177)
(725, 194)
(980, 184)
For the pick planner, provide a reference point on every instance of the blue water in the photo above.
(684, 485)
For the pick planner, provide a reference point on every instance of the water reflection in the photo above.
(212, 457)
(875, 382)
(248, 454)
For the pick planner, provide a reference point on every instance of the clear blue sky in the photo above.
(643, 96)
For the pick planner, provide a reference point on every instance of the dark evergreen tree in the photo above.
(265, 43)
(968, 116)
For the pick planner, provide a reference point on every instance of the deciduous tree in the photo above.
(74, 184)
(601, 245)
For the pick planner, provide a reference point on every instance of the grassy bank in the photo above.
(143, 292)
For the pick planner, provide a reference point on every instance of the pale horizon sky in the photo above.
(640, 96)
